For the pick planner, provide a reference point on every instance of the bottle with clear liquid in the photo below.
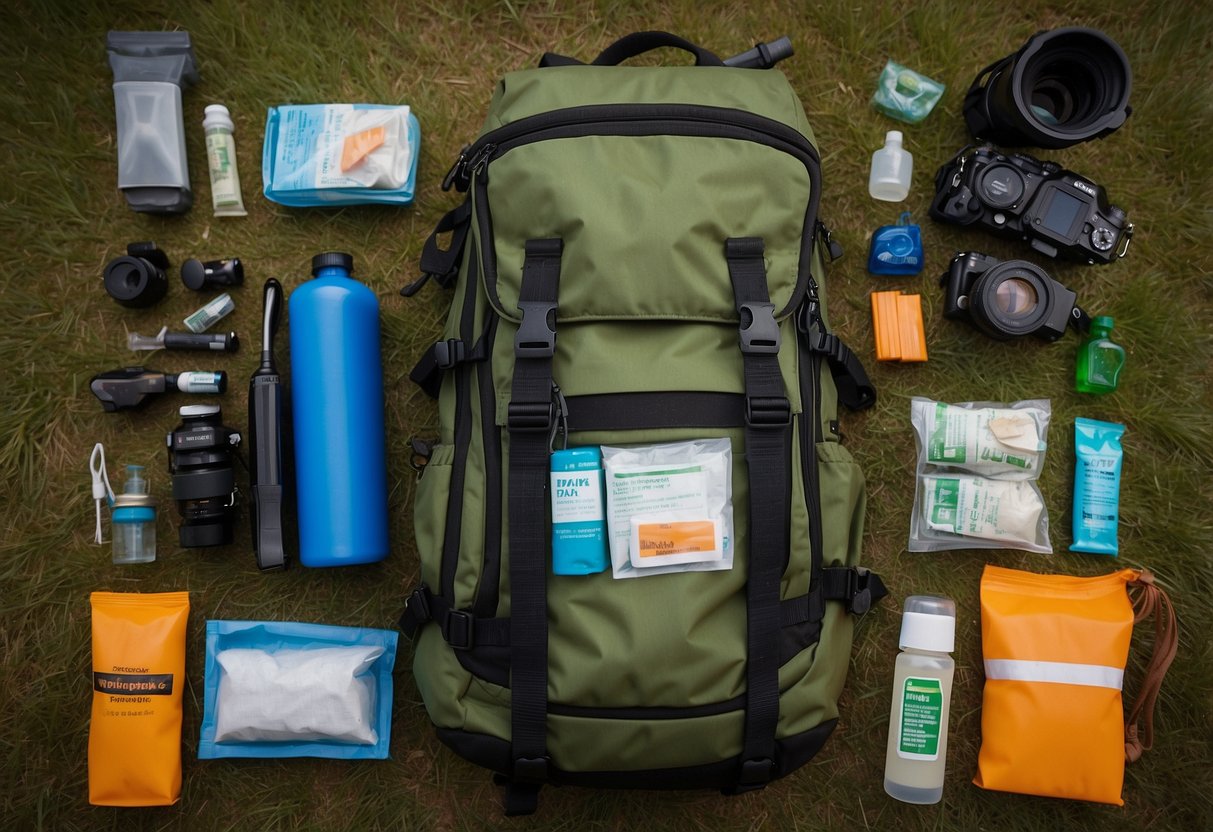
(922, 694)
(134, 520)
(1100, 359)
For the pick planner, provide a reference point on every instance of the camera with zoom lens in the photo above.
(200, 452)
(1058, 212)
(1008, 299)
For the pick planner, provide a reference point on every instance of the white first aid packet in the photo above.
(296, 695)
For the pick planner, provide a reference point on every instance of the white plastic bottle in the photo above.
(221, 159)
(892, 167)
(922, 694)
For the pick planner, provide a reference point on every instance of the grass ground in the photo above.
(61, 219)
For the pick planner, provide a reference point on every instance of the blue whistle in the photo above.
(896, 249)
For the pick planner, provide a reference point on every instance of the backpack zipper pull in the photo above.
(560, 424)
(826, 236)
(457, 169)
(481, 160)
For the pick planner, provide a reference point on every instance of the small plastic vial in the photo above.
(922, 693)
(892, 167)
(134, 520)
(1100, 359)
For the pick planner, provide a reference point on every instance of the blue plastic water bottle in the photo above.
(337, 393)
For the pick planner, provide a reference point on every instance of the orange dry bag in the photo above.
(134, 739)
(1055, 649)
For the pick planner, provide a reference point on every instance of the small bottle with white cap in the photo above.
(221, 159)
(892, 167)
(922, 692)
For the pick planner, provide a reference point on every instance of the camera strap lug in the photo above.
(1127, 237)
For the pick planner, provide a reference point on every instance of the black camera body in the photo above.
(1008, 299)
(200, 456)
(1057, 211)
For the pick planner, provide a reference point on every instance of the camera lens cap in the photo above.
(1001, 186)
(134, 282)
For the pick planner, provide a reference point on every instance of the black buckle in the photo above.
(448, 353)
(459, 629)
(531, 770)
(767, 412)
(859, 591)
(417, 611)
(755, 774)
(759, 330)
(536, 336)
(530, 417)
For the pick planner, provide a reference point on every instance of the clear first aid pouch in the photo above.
(286, 689)
(976, 476)
(1055, 648)
(340, 154)
(670, 507)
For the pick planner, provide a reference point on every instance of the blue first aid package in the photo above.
(284, 689)
(340, 154)
(896, 249)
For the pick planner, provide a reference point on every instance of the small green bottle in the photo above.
(1100, 359)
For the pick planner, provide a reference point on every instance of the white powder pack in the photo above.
(296, 695)
(292, 689)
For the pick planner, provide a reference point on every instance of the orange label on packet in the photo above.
(357, 146)
(134, 739)
(681, 538)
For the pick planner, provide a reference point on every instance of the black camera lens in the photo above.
(1001, 186)
(1061, 88)
(137, 280)
(1017, 298)
(203, 481)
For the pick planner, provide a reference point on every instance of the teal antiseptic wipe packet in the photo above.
(340, 154)
(1097, 459)
(286, 689)
(906, 95)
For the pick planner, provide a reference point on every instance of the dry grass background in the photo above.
(61, 219)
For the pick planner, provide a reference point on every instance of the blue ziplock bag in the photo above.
(273, 636)
(297, 159)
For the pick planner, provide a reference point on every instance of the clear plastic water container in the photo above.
(134, 520)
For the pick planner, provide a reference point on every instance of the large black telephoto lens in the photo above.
(200, 453)
(1062, 87)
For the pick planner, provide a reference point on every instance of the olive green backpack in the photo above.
(639, 260)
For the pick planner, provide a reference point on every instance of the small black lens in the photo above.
(1011, 300)
(204, 482)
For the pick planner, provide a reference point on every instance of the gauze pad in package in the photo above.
(976, 476)
(991, 440)
(670, 507)
(296, 690)
(340, 154)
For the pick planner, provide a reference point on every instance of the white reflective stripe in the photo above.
(1066, 673)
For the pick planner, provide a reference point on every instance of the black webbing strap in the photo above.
(440, 357)
(855, 390)
(443, 264)
(460, 629)
(530, 418)
(857, 588)
(768, 434)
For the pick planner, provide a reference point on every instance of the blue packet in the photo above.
(896, 249)
(262, 699)
(1097, 459)
(340, 154)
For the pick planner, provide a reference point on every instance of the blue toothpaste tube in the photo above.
(1098, 457)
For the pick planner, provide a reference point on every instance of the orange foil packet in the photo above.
(134, 739)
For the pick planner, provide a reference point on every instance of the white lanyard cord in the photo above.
(101, 483)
